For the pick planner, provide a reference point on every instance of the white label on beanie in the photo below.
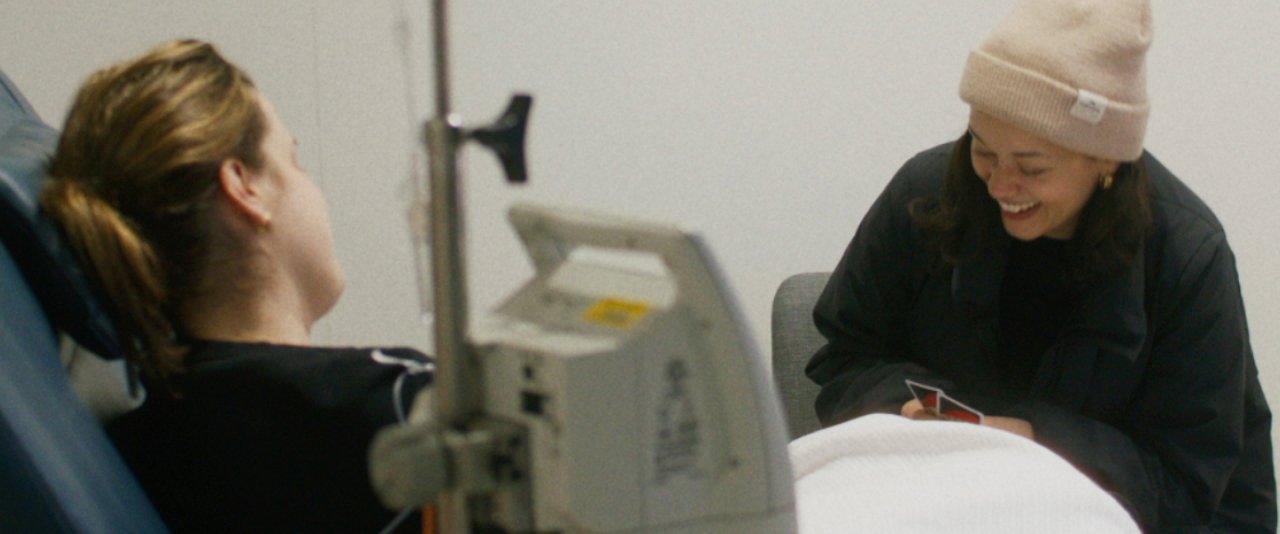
(1090, 107)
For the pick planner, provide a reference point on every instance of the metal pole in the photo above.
(453, 379)
(440, 47)
(457, 393)
(456, 383)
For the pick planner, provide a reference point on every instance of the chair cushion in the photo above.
(37, 244)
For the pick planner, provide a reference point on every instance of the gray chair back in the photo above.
(795, 339)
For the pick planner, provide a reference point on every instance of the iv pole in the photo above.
(454, 395)
(455, 387)
(458, 395)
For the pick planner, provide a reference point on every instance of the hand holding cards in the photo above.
(940, 404)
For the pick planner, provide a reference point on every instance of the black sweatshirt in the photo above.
(271, 438)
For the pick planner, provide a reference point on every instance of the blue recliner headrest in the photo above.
(37, 243)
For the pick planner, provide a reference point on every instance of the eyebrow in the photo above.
(1023, 154)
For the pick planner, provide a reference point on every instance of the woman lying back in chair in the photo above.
(180, 190)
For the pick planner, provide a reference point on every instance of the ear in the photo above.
(244, 192)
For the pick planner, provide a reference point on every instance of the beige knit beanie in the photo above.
(1072, 72)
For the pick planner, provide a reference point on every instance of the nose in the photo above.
(1002, 182)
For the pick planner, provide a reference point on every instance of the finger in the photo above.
(911, 407)
(926, 415)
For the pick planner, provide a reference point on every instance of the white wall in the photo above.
(766, 126)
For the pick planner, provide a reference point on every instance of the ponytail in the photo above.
(133, 181)
(126, 269)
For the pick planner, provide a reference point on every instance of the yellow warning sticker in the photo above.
(616, 312)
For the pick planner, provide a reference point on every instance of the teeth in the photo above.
(1017, 208)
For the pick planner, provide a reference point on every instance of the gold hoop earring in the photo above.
(1106, 181)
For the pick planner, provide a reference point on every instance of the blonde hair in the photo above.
(134, 179)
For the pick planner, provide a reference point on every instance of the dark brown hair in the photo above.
(962, 219)
(133, 180)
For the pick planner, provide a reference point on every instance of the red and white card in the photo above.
(939, 403)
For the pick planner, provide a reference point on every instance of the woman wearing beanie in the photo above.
(1049, 272)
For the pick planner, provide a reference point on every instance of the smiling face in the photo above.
(1041, 187)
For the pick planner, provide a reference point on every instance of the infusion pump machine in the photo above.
(634, 397)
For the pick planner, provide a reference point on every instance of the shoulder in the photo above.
(923, 174)
(1176, 209)
(1186, 234)
(322, 374)
(221, 353)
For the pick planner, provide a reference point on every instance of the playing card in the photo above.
(926, 394)
(954, 409)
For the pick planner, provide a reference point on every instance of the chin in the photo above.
(339, 286)
(325, 297)
(1022, 234)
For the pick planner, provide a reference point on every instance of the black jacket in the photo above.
(1151, 389)
(272, 438)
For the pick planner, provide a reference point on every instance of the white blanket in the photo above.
(884, 473)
